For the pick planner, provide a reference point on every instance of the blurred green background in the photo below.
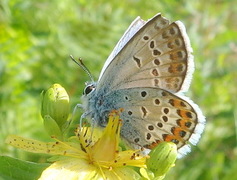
(37, 37)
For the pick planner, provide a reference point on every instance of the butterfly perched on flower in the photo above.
(146, 75)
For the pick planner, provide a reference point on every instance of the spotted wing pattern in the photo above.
(158, 55)
(152, 115)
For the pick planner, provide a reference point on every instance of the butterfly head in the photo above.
(90, 87)
(88, 98)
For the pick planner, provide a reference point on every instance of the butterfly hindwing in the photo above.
(152, 115)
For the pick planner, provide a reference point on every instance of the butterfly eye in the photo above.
(88, 89)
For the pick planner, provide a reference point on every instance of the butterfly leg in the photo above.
(84, 115)
(74, 112)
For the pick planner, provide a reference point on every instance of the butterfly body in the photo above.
(145, 75)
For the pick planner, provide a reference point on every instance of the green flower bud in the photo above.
(55, 103)
(52, 127)
(146, 174)
(162, 158)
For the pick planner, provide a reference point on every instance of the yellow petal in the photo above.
(75, 169)
(71, 168)
(106, 148)
(122, 173)
(54, 148)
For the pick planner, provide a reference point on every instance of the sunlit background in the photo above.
(37, 37)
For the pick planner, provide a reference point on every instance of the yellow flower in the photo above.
(85, 156)
(92, 153)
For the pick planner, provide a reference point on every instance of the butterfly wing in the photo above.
(144, 75)
(153, 115)
(157, 55)
(135, 26)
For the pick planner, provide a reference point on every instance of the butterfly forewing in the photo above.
(158, 55)
(135, 26)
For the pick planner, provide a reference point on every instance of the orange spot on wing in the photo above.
(184, 114)
(172, 138)
(176, 131)
(169, 137)
(152, 145)
(184, 124)
(176, 103)
(176, 68)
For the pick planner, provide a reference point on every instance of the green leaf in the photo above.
(12, 169)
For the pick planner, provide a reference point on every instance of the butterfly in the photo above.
(146, 75)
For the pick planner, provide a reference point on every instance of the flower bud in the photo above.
(162, 158)
(55, 104)
(52, 127)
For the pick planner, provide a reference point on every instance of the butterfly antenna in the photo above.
(81, 64)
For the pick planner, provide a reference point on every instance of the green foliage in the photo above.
(37, 37)
(12, 169)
